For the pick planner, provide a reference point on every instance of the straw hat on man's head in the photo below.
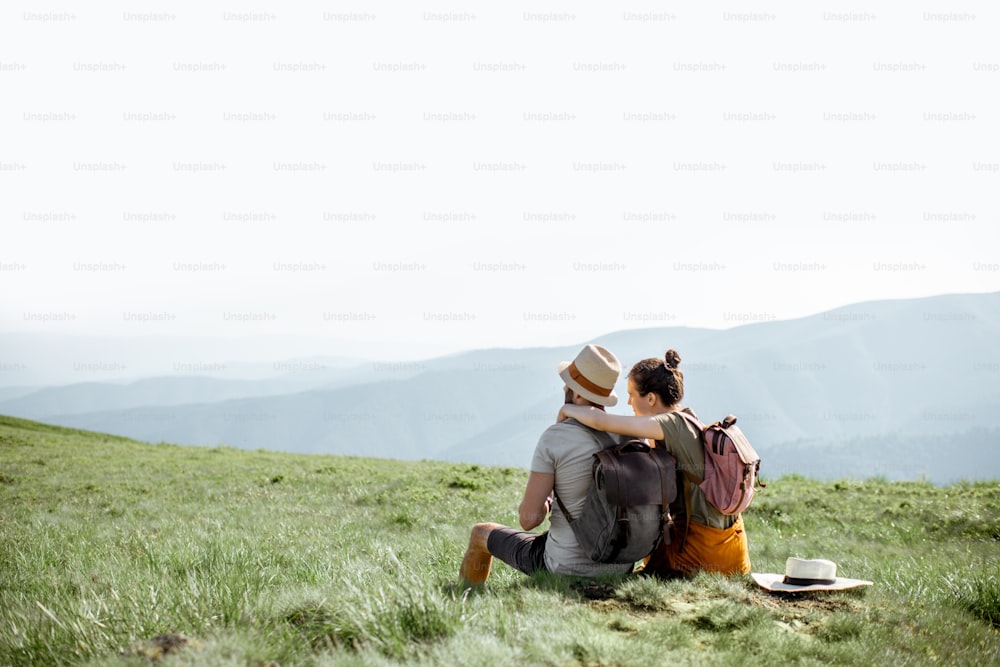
(804, 575)
(593, 374)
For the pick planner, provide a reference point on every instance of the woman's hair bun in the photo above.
(672, 359)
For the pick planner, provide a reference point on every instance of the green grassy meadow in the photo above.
(115, 552)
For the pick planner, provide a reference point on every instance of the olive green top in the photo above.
(682, 439)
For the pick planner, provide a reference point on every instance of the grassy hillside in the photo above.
(114, 552)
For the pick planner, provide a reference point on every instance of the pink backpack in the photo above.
(731, 465)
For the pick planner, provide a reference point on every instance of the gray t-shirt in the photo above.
(566, 450)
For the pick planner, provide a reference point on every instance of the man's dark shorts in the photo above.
(522, 551)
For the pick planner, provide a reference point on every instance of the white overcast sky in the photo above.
(465, 175)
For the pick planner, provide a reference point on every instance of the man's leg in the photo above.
(476, 564)
(521, 550)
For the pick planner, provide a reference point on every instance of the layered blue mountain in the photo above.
(897, 389)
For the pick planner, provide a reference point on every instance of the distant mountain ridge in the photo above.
(859, 391)
(89, 397)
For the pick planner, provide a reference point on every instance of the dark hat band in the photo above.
(795, 581)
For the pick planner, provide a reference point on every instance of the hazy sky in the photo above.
(380, 175)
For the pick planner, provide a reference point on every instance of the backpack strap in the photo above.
(569, 517)
(687, 511)
(689, 479)
(616, 486)
(666, 519)
(694, 421)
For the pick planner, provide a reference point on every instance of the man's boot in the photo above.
(476, 563)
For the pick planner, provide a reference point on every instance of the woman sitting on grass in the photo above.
(711, 540)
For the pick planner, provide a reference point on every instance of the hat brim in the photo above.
(773, 582)
(607, 401)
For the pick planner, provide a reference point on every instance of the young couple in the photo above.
(562, 465)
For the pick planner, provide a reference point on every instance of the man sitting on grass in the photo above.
(562, 465)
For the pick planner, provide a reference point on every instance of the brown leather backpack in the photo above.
(627, 510)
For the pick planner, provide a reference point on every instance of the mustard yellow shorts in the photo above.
(706, 549)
